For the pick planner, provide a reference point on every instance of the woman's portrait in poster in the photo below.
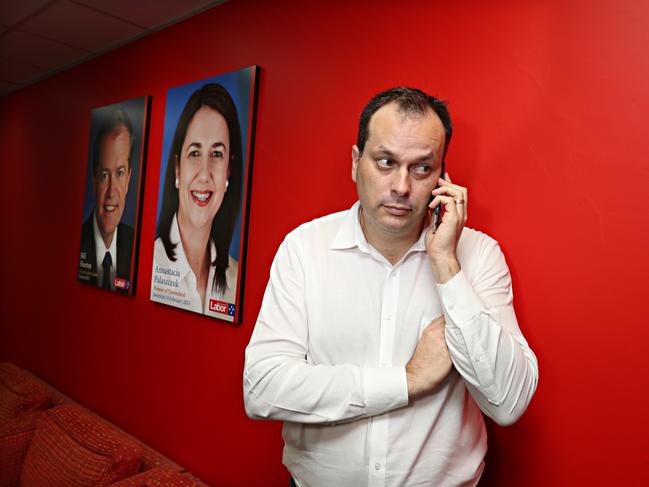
(195, 264)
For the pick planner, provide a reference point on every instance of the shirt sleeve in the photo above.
(484, 340)
(278, 381)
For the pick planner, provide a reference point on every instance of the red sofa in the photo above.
(47, 439)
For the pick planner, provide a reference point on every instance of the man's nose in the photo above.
(401, 182)
(110, 186)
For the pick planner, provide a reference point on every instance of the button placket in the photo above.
(388, 316)
(378, 436)
(379, 451)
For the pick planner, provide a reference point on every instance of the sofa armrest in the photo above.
(15, 436)
(159, 477)
(20, 393)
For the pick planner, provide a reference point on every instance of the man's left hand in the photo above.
(442, 244)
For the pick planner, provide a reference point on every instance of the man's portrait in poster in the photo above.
(113, 172)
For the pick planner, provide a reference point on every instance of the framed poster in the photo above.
(112, 196)
(199, 250)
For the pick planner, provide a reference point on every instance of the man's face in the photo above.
(397, 171)
(111, 181)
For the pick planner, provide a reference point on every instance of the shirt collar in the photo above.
(351, 234)
(420, 244)
(100, 248)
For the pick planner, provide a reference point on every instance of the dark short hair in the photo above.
(115, 119)
(410, 101)
(216, 97)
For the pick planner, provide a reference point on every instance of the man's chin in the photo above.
(107, 228)
(401, 224)
(394, 226)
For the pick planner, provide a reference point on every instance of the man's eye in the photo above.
(422, 169)
(384, 163)
(217, 153)
(120, 173)
(193, 153)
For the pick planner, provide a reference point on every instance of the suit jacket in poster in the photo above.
(87, 270)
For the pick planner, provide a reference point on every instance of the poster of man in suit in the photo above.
(112, 196)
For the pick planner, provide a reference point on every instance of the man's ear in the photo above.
(356, 156)
(176, 167)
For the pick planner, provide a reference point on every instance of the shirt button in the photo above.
(377, 466)
(451, 306)
(393, 273)
(389, 316)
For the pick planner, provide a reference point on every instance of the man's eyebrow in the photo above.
(427, 157)
(218, 144)
(383, 151)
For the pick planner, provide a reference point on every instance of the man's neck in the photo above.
(392, 246)
(105, 237)
(108, 239)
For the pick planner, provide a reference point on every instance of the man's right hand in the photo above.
(431, 362)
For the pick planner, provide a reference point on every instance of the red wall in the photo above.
(550, 101)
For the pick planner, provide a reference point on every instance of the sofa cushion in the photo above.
(15, 436)
(74, 447)
(160, 477)
(19, 392)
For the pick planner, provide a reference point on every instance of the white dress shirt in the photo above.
(336, 328)
(100, 250)
(175, 283)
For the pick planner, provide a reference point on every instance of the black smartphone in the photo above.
(437, 212)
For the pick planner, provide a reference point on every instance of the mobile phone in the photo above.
(438, 209)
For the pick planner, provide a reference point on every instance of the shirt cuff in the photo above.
(460, 301)
(386, 388)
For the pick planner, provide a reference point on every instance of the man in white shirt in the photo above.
(382, 336)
